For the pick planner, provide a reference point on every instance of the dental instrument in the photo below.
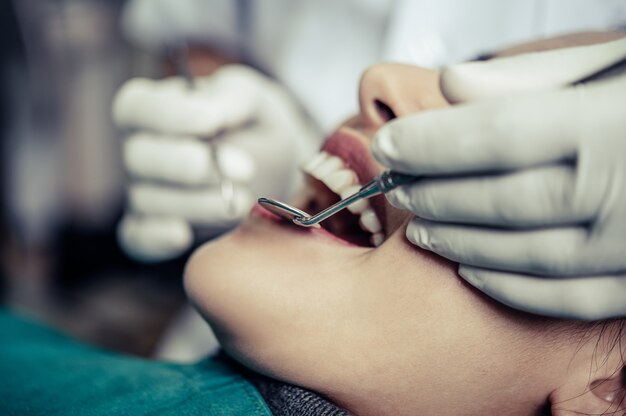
(383, 183)
(178, 55)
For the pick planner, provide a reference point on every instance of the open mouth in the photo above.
(330, 179)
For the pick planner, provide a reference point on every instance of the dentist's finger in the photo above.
(501, 134)
(473, 81)
(172, 106)
(494, 135)
(204, 207)
(549, 251)
(544, 196)
(587, 297)
(184, 159)
(154, 238)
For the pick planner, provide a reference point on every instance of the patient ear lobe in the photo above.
(597, 394)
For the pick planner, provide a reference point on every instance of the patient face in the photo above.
(368, 319)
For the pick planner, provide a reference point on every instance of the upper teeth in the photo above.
(358, 206)
(340, 179)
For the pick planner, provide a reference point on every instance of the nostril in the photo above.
(384, 111)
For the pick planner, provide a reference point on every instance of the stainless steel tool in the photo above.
(383, 183)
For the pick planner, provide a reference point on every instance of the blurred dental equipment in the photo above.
(383, 183)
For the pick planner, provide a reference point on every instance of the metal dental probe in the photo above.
(383, 183)
(178, 54)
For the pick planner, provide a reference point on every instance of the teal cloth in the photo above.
(42, 372)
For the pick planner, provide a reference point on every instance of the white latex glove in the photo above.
(526, 186)
(261, 137)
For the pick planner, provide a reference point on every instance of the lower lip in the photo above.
(258, 212)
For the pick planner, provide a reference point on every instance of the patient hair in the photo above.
(609, 336)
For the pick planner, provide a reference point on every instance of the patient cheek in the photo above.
(210, 280)
(235, 288)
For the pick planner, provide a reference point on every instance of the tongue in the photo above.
(345, 225)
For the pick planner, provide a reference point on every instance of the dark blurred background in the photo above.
(62, 180)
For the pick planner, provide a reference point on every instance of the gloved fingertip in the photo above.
(153, 239)
(471, 276)
(398, 198)
(126, 97)
(456, 82)
(236, 164)
(418, 234)
(383, 147)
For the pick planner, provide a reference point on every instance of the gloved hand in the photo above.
(525, 186)
(261, 136)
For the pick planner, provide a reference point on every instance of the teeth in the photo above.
(358, 206)
(340, 180)
(330, 165)
(369, 221)
(343, 181)
(377, 239)
(315, 162)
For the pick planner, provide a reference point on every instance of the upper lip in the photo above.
(352, 147)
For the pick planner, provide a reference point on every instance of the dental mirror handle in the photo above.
(390, 180)
(383, 183)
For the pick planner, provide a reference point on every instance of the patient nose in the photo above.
(388, 91)
(380, 95)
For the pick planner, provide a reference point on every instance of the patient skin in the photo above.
(390, 330)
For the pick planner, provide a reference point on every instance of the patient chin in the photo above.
(274, 323)
(239, 301)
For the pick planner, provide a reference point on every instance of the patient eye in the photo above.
(384, 111)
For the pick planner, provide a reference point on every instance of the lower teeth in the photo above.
(377, 239)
